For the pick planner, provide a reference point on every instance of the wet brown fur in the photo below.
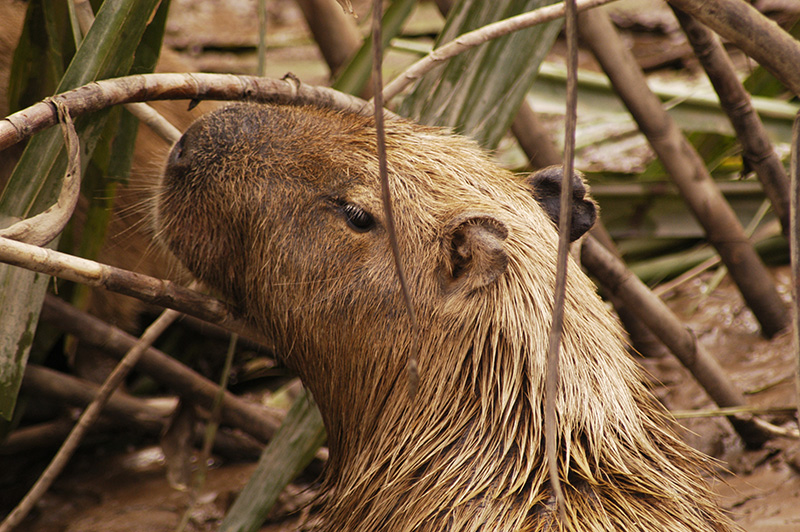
(255, 201)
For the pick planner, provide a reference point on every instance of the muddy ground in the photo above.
(121, 485)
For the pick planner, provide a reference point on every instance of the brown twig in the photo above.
(615, 276)
(69, 390)
(559, 292)
(722, 412)
(120, 411)
(386, 197)
(40, 436)
(735, 101)
(236, 412)
(687, 170)
(88, 417)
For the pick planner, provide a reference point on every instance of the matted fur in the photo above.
(253, 203)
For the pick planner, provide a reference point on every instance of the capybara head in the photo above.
(278, 209)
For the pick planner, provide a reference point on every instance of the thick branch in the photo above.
(759, 37)
(164, 369)
(148, 289)
(735, 101)
(615, 276)
(688, 172)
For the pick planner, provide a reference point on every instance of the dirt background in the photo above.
(124, 488)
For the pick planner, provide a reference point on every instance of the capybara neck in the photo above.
(278, 208)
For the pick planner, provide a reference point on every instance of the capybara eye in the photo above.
(176, 152)
(357, 218)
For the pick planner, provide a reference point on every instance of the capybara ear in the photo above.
(546, 185)
(473, 252)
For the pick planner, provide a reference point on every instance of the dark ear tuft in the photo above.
(546, 186)
(473, 252)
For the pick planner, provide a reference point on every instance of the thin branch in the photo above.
(88, 417)
(564, 218)
(143, 287)
(469, 40)
(147, 87)
(724, 412)
(45, 226)
(794, 249)
(210, 434)
(386, 196)
(68, 390)
(155, 121)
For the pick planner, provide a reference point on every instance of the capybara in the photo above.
(278, 209)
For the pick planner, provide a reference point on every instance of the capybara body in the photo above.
(278, 209)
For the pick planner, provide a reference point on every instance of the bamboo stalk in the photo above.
(735, 101)
(615, 276)
(687, 170)
(758, 36)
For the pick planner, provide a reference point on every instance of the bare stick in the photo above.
(386, 197)
(469, 40)
(794, 237)
(148, 289)
(564, 218)
(45, 226)
(756, 146)
(88, 417)
(146, 87)
(155, 121)
(66, 389)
